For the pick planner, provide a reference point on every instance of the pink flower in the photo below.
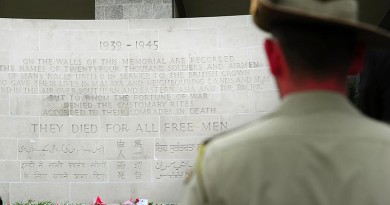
(99, 201)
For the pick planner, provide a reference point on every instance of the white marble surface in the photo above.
(119, 108)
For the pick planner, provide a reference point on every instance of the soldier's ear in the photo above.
(358, 59)
(273, 54)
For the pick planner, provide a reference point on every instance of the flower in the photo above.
(99, 201)
(128, 202)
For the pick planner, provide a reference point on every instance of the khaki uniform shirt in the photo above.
(315, 149)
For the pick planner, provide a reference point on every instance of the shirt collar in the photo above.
(316, 102)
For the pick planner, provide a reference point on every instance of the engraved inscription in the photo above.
(87, 105)
(64, 171)
(168, 170)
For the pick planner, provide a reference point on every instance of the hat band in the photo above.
(342, 9)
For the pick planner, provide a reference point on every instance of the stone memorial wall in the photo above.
(133, 9)
(118, 108)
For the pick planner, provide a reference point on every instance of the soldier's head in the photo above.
(316, 43)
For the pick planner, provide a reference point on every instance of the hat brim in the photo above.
(267, 14)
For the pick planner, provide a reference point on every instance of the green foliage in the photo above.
(32, 202)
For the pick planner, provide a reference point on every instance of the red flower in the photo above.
(136, 200)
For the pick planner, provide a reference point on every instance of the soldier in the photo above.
(316, 148)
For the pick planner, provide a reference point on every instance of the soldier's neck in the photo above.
(291, 86)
